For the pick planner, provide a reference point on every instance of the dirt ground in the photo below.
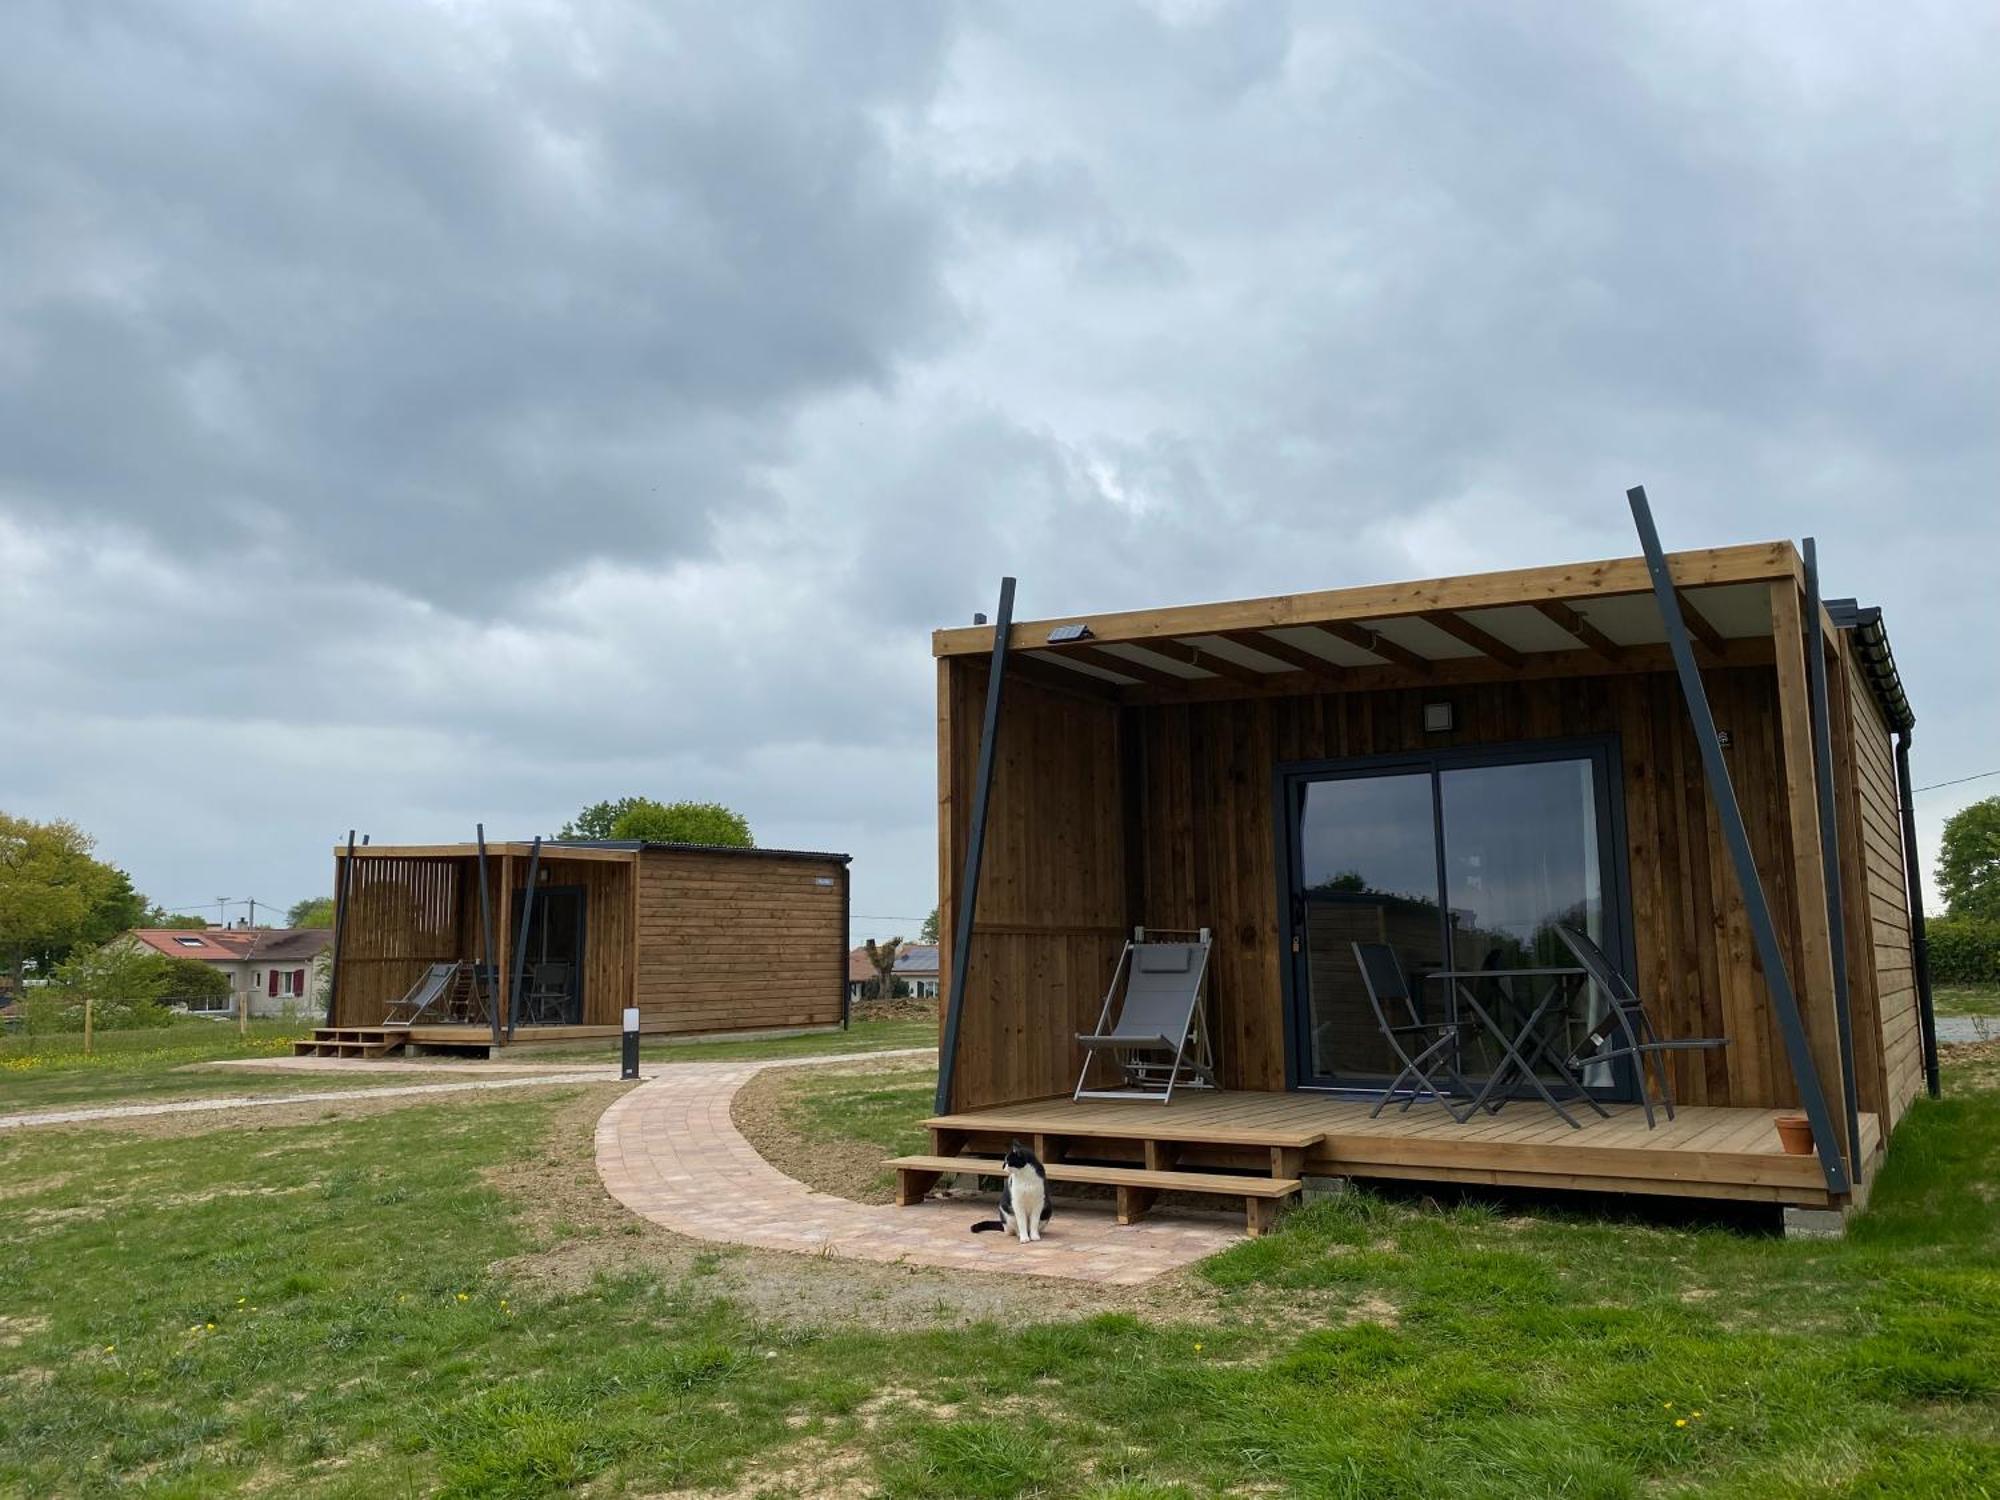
(586, 1232)
(828, 1165)
(264, 1117)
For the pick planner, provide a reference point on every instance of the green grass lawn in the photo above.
(319, 1316)
(874, 1116)
(861, 1036)
(1966, 999)
(146, 1066)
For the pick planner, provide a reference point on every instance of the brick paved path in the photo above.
(669, 1152)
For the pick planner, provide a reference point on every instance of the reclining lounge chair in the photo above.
(1154, 1025)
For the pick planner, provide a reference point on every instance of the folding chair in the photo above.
(546, 1000)
(1159, 1040)
(1422, 1047)
(1626, 1018)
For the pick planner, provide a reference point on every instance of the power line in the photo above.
(1955, 781)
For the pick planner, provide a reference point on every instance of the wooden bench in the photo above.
(1159, 1140)
(1136, 1186)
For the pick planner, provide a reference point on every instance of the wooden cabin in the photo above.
(1450, 766)
(471, 946)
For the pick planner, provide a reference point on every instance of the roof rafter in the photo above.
(1479, 640)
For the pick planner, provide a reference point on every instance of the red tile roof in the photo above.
(232, 944)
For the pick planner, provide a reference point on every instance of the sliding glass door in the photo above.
(1462, 860)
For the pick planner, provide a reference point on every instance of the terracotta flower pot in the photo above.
(1795, 1134)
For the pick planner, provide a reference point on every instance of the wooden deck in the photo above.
(1707, 1152)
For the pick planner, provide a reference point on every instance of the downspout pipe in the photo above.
(1920, 948)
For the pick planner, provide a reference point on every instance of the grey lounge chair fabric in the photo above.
(430, 987)
(1153, 1025)
(1626, 1030)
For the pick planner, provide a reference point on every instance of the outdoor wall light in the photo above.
(1063, 634)
(1437, 718)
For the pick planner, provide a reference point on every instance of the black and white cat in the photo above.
(1024, 1197)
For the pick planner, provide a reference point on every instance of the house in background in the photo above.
(278, 968)
(917, 966)
(916, 969)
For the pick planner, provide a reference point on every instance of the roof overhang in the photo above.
(1565, 620)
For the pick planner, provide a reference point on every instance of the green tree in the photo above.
(159, 916)
(54, 895)
(661, 822)
(314, 911)
(595, 821)
(928, 933)
(127, 985)
(1968, 867)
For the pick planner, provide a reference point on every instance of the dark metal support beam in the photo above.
(1722, 792)
(521, 937)
(340, 903)
(975, 849)
(847, 929)
(1829, 845)
(1920, 945)
(490, 973)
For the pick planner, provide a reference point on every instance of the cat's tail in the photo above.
(985, 1224)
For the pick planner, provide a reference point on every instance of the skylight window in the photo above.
(189, 942)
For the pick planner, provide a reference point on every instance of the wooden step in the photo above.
(350, 1041)
(1136, 1187)
(1148, 1122)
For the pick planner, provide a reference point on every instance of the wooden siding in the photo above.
(1054, 907)
(1895, 1041)
(734, 943)
(1052, 898)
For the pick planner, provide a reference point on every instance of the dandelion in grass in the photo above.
(1680, 1421)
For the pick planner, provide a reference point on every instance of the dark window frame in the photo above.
(1288, 781)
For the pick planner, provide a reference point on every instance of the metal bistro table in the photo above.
(1523, 1043)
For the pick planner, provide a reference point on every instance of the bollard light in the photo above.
(631, 1057)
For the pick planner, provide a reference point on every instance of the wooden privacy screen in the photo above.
(404, 915)
(1186, 790)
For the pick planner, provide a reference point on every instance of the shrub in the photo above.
(127, 988)
(1964, 950)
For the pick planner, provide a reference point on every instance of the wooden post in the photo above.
(243, 1011)
(1817, 998)
(86, 1025)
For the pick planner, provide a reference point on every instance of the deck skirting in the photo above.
(1705, 1152)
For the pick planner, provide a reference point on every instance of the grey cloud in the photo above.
(427, 415)
(448, 307)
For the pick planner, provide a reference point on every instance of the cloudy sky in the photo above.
(413, 414)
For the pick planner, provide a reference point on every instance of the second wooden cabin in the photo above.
(472, 946)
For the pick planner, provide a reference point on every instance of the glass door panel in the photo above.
(1521, 854)
(1457, 860)
(1368, 873)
